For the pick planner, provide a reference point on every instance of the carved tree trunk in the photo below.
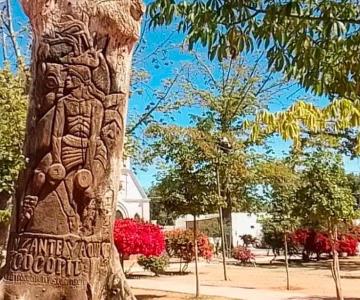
(61, 243)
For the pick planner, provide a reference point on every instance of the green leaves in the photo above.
(303, 119)
(13, 107)
(5, 216)
(315, 42)
(280, 183)
(225, 98)
(325, 195)
(310, 189)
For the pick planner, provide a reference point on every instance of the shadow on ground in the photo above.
(139, 276)
(350, 276)
(345, 265)
(237, 286)
(148, 296)
(135, 275)
(322, 298)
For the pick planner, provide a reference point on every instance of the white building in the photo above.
(242, 223)
(132, 200)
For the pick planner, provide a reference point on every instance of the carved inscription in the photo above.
(37, 279)
(52, 256)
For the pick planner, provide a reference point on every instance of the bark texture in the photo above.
(335, 264)
(286, 261)
(61, 243)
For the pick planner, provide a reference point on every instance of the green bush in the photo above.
(5, 216)
(155, 264)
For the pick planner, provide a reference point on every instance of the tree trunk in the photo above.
(197, 294)
(286, 262)
(227, 213)
(61, 243)
(180, 271)
(335, 265)
(227, 219)
(223, 249)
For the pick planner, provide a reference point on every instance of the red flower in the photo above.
(242, 254)
(138, 237)
(179, 243)
(318, 242)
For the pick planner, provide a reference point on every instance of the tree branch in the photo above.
(152, 109)
(258, 10)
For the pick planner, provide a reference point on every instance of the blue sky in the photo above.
(165, 68)
(278, 145)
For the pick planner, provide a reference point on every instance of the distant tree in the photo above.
(13, 107)
(159, 210)
(186, 186)
(222, 97)
(280, 183)
(188, 191)
(325, 196)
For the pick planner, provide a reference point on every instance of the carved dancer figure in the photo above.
(77, 149)
(76, 142)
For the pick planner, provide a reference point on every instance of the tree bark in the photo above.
(61, 242)
(197, 293)
(286, 262)
(335, 265)
(221, 221)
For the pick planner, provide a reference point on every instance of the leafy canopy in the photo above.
(280, 182)
(336, 125)
(325, 195)
(223, 96)
(314, 41)
(13, 107)
(185, 186)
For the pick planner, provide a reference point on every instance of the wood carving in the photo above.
(61, 244)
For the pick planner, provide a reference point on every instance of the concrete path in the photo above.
(164, 284)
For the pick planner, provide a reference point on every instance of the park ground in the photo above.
(265, 281)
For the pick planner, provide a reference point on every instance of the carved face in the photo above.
(72, 82)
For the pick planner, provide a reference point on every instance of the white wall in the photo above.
(243, 223)
(129, 190)
(132, 199)
(136, 207)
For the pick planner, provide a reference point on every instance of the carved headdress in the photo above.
(82, 72)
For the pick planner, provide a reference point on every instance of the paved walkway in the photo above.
(164, 284)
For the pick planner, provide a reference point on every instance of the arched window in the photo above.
(119, 215)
